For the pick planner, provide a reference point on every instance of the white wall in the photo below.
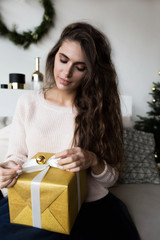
(131, 25)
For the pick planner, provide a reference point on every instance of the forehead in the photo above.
(73, 51)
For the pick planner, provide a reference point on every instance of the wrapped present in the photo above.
(48, 198)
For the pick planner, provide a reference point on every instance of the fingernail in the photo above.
(16, 177)
(19, 172)
(17, 166)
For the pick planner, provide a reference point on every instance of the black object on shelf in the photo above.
(16, 81)
(4, 85)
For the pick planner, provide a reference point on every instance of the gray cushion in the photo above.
(140, 165)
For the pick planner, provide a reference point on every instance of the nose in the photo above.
(68, 71)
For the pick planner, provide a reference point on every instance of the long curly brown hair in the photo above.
(98, 123)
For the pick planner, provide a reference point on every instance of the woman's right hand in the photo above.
(8, 174)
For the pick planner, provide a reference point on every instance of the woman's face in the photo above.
(69, 66)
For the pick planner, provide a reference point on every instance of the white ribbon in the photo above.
(33, 166)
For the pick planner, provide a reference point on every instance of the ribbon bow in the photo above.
(40, 163)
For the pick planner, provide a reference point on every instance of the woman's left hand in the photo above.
(76, 159)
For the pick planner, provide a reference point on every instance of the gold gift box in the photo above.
(58, 199)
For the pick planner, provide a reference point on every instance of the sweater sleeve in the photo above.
(17, 149)
(108, 177)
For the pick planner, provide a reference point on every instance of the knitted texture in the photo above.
(39, 126)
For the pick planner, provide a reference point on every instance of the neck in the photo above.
(59, 98)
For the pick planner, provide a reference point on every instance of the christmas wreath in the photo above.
(32, 36)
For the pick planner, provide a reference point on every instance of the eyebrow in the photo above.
(79, 62)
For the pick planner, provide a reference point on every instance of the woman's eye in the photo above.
(63, 61)
(81, 69)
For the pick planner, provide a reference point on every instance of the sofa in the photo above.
(143, 202)
(139, 182)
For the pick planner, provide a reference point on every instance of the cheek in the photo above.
(79, 78)
(80, 75)
(56, 68)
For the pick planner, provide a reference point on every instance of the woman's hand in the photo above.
(76, 159)
(8, 174)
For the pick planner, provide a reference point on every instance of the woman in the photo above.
(77, 115)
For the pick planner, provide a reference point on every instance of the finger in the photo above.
(9, 168)
(77, 169)
(6, 178)
(12, 183)
(72, 165)
(67, 152)
(11, 164)
(63, 154)
(8, 171)
(67, 160)
(7, 183)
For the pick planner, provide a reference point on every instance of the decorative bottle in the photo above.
(37, 76)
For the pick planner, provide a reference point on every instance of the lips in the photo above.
(64, 82)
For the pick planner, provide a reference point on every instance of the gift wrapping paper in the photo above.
(58, 200)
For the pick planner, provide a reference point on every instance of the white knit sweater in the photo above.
(39, 126)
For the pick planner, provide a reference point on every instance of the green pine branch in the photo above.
(151, 123)
(26, 38)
